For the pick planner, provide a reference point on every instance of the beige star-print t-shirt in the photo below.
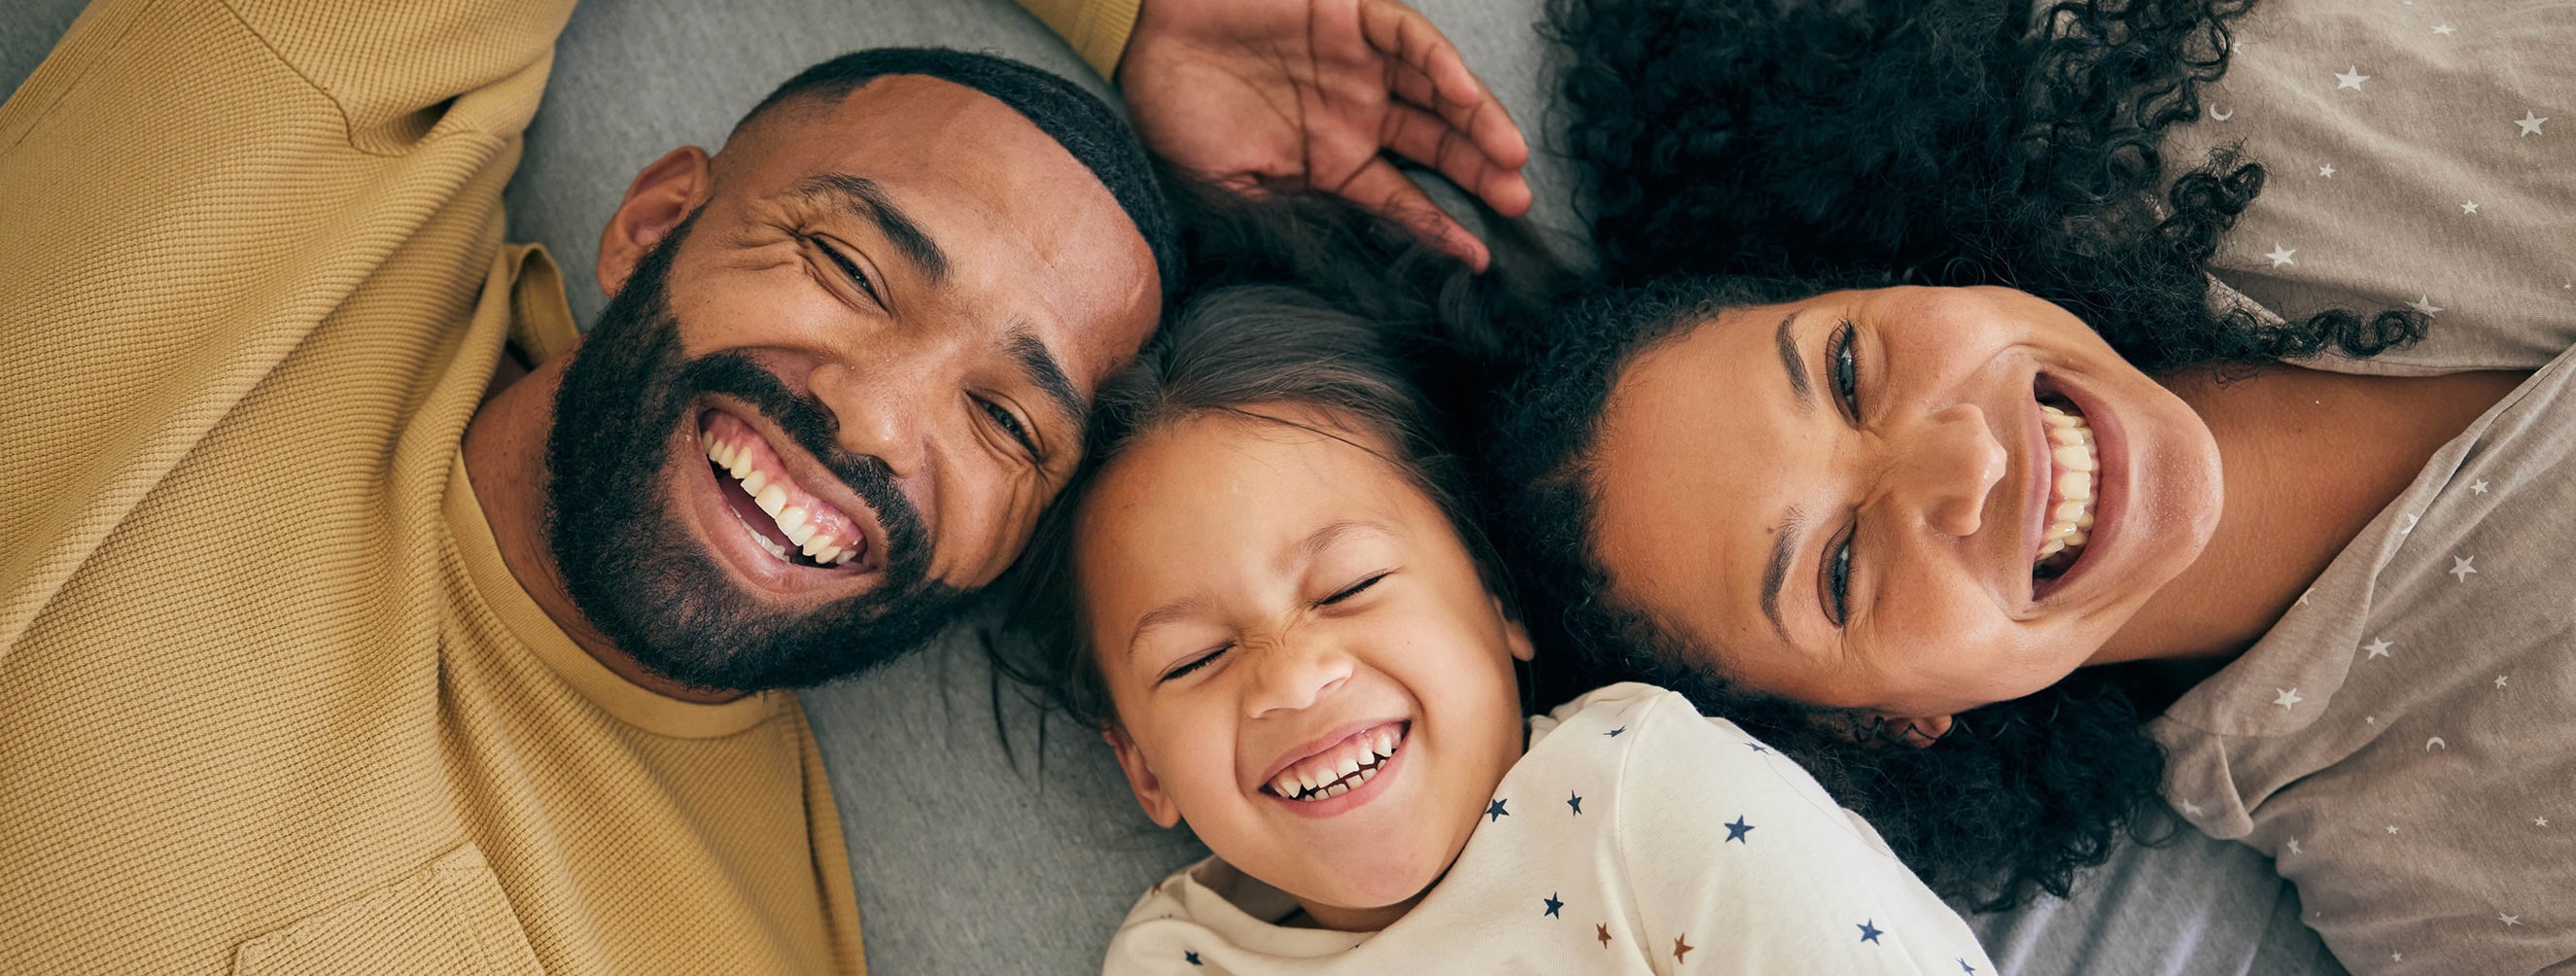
(2403, 742)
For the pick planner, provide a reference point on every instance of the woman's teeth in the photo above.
(2073, 461)
(1340, 769)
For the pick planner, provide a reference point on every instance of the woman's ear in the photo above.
(1515, 636)
(664, 194)
(1912, 730)
(1885, 729)
(1140, 778)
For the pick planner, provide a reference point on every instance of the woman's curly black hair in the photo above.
(1744, 152)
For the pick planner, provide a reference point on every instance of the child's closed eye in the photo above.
(1195, 662)
(1354, 589)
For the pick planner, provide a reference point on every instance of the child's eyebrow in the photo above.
(1324, 538)
(1291, 559)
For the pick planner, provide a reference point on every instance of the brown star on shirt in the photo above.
(1681, 948)
(1602, 932)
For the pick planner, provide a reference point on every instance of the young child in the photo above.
(1268, 595)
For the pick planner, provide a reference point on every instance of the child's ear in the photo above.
(1515, 636)
(1140, 778)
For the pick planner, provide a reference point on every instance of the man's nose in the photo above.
(1291, 674)
(885, 407)
(1948, 468)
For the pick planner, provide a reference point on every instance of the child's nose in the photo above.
(1288, 677)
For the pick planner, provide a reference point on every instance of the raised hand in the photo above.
(1257, 94)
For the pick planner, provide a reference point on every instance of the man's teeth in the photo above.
(793, 521)
(2074, 460)
(1339, 772)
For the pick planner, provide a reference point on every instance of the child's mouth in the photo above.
(1340, 768)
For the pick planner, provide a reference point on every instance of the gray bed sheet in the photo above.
(982, 836)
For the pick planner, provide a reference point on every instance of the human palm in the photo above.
(1316, 94)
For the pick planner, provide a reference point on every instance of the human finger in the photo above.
(1381, 187)
(1485, 120)
(1428, 72)
(1429, 140)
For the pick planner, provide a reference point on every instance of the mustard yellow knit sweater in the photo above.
(269, 701)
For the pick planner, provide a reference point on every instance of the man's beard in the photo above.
(628, 560)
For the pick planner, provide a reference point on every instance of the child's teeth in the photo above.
(1348, 766)
(1337, 790)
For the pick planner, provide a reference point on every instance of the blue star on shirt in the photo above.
(1553, 905)
(1575, 800)
(1495, 811)
(1736, 831)
(1192, 957)
(1964, 967)
(1755, 746)
(1869, 933)
(1614, 733)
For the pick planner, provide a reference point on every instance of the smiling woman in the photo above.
(1908, 446)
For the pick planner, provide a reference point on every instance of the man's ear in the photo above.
(664, 194)
(1515, 636)
(1140, 778)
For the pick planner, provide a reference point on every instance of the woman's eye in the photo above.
(1846, 369)
(848, 268)
(1011, 425)
(1350, 591)
(1838, 582)
(1195, 663)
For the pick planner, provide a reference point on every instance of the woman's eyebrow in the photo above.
(1784, 546)
(1786, 338)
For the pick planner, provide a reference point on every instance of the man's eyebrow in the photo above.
(863, 197)
(1784, 546)
(1790, 361)
(1043, 370)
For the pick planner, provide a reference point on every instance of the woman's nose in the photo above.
(1289, 677)
(1949, 468)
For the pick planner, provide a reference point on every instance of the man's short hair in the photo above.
(1075, 119)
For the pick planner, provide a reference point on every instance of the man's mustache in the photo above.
(811, 427)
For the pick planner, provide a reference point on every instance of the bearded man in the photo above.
(356, 613)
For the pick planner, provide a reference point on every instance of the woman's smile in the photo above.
(1973, 487)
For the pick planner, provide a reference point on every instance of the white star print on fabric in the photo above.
(2500, 680)
(2191, 808)
(2468, 206)
(2326, 171)
(2424, 304)
(2281, 255)
(2392, 828)
(2479, 487)
(2444, 29)
(2540, 821)
(2411, 518)
(2288, 697)
(2351, 78)
(2303, 597)
(2529, 123)
(2509, 919)
(2378, 648)
(2397, 957)
(2461, 568)
(2294, 846)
